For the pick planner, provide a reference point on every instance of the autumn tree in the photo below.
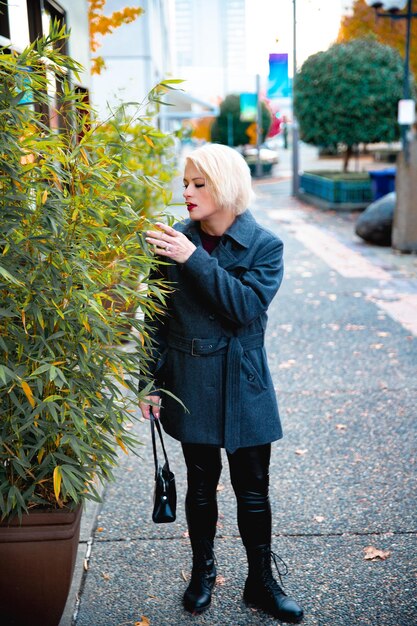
(349, 95)
(101, 24)
(228, 124)
(362, 22)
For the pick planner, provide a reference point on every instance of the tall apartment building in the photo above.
(210, 51)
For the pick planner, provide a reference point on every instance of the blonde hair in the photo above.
(227, 175)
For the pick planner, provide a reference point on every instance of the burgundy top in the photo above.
(209, 241)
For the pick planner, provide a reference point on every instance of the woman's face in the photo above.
(200, 203)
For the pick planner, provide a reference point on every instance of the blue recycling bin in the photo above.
(382, 182)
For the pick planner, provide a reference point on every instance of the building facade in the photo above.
(22, 21)
(210, 51)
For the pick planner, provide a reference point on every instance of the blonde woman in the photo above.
(226, 269)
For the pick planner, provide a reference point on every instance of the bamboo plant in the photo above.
(68, 385)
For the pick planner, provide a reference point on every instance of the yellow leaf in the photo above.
(122, 445)
(57, 482)
(44, 196)
(40, 455)
(28, 393)
(84, 156)
(149, 141)
(87, 325)
(113, 367)
(143, 621)
(373, 554)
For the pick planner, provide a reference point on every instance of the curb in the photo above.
(88, 524)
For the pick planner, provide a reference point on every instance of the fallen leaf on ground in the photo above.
(334, 326)
(301, 452)
(100, 529)
(374, 554)
(286, 364)
(355, 327)
(341, 427)
(220, 487)
(106, 576)
(143, 621)
(184, 576)
(220, 580)
(318, 518)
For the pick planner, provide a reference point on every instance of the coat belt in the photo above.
(234, 348)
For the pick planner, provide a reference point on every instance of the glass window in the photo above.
(18, 21)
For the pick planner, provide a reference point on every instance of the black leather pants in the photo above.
(249, 472)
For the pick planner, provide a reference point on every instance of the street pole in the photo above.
(295, 165)
(406, 84)
(258, 127)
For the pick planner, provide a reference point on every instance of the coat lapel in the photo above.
(235, 242)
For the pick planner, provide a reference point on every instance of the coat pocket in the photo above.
(253, 368)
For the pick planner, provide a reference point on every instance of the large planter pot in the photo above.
(37, 560)
(337, 188)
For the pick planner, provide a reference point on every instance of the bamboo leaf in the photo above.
(122, 445)
(57, 482)
(28, 393)
(9, 277)
(149, 141)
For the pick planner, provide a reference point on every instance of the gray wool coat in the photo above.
(210, 344)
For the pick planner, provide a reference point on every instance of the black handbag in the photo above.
(165, 493)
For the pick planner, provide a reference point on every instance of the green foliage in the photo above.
(73, 265)
(142, 151)
(349, 94)
(230, 109)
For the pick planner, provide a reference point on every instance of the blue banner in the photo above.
(278, 81)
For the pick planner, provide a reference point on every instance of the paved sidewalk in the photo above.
(342, 349)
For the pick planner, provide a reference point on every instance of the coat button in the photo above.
(251, 377)
(212, 317)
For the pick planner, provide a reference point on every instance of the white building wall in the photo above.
(79, 41)
(137, 56)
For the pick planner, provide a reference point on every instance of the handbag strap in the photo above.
(156, 422)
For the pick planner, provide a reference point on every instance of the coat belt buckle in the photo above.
(192, 347)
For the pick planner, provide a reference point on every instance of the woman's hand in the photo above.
(170, 243)
(146, 405)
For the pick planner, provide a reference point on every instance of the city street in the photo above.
(342, 343)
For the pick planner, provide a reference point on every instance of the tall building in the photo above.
(210, 51)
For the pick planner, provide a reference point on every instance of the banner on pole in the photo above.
(278, 81)
(248, 107)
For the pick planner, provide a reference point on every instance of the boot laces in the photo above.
(280, 566)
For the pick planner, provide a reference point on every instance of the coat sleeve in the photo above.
(239, 299)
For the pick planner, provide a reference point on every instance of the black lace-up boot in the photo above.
(197, 597)
(262, 590)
